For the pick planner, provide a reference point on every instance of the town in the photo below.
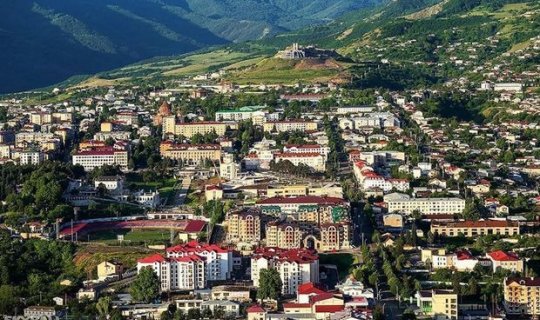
(202, 198)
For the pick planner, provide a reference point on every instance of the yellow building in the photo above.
(108, 268)
(439, 304)
(106, 127)
(522, 296)
(335, 236)
(188, 130)
(329, 190)
(284, 235)
(244, 227)
(283, 126)
(191, 154)
(475, 228)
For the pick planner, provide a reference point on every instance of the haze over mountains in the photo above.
(46, 41)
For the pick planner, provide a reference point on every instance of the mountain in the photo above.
(47, 41)
(420, 39)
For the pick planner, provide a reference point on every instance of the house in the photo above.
(213, 192)
(438, 304)
(505, 260)
(109, 268)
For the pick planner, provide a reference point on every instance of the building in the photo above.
(189, 129)
(522, 296)
(284, 235)
(426, 206)
(39, 312)
(178, 273)
(231, 293)
(189, 266)
(307, 148)
(475, 228)
(295, 266)
(505, 260)
(92, 159)
(228, 168)
(163, 111)
(109, 268)
(254, 113)
(191, 153)
(329, 190)
(284, 126)
(244, 227)
(111, 183)
(316, 161)
(218, 261)
(439, 304)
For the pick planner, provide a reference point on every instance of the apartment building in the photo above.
(316, 161)
(256, 114)
(308, 209)
(522, 296)
(175, 274)
(189, 129)
(438, 304)
(190, 153)
(307, 148)
(284, 235)
(283, 126)
(244, 227)
(295, 266)
(426, 206)
(475, 228)
(91, 159)
(333, 236)
(218, 261)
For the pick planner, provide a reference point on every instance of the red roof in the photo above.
(196, 247)
(291, 255)
(296, 305)
(500, 255)
(463, 255)
(255, 309)
(195, 226)
(297, 154)
(321, 297)
(309, 288)
(329, 308)
(529, 282)
(152, 259)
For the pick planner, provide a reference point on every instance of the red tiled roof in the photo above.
(321, 297)
(309, 288)
(292, 255)
(296, 305)
(196, 247)
(329, 308)
(500, 255)
(195, 226)
(152, 259)
(255, 309)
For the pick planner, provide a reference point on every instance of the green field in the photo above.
(130, 236)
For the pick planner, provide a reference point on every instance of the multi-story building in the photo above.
(191, 153)
(307, 148)
(128, 118)
(285, 235)
(475, 228)
(244, 227)
(328, 190)
(312, 209)
(218, 261)
(174, 274)
(283, 126)
(295, 266)
(522, 296)
(314, 160)
(189, 129)
(254, 113)
(505, 260)
(91, 159)
(439, 304)
(334, 236)
(427, 206)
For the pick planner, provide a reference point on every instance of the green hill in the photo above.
(46, 41)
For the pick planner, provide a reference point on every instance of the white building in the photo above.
(316, 161)
(295, 267)
(111, 183)
(427, 206)
(92, 159)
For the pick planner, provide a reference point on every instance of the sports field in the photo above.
(130, 236)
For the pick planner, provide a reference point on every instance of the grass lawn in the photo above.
(133, 235)
(343, 261)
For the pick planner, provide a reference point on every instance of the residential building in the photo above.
(219, 261)
(284, 235)
(109, 268)
(189, 129)
(39, 312)
(475, 228)
(328, 190)
(439, 304)
(244, 226)
(231, 293)
(522, 296)
(295, 266)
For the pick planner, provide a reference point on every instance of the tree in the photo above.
(378, 313)
(194, 314)
(206, 313)
(145, 287)
(8, 299)
(103, 307)
(270, 284)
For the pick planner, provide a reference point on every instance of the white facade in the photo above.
(427, 206)
(93, 159)
(314, 160)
